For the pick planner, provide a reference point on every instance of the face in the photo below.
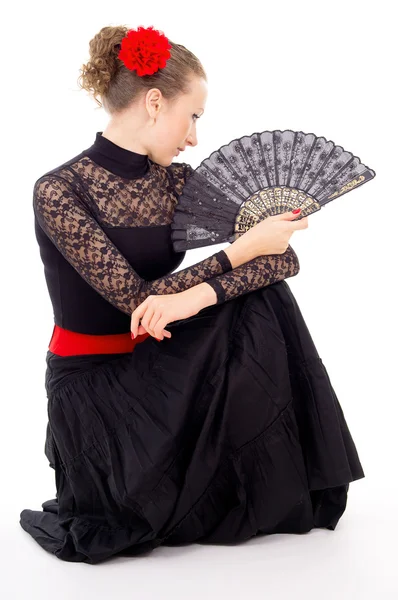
(173, 126)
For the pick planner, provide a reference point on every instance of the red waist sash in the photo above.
(67, 343)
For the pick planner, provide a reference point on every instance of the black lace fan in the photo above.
(257, 176)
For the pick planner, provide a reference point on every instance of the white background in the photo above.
(322, 67)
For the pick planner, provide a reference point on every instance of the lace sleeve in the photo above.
(257, 273)
(180, 173)
(78, 236)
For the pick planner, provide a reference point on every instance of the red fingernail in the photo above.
(296, 211)
(133, 336)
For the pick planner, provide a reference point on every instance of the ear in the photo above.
(153, 102)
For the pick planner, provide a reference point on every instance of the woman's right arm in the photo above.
(84, 244)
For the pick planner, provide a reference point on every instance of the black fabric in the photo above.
(229, 429)
(102, 223)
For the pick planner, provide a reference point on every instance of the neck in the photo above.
(125, 134)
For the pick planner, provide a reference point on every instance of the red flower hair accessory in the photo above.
(145, 50)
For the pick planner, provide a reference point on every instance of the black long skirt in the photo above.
(227, 430)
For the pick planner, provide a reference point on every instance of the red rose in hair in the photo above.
(145, 50)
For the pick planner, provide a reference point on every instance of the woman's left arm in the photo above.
(157, 311)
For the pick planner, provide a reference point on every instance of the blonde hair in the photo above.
(115, 87)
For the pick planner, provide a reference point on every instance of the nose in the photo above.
(192, 139)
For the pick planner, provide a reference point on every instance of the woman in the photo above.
(227, 428)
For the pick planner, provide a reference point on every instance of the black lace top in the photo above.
(102, 222)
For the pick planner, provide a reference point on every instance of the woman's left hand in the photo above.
(158, 310)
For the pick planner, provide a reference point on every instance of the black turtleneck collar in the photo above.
(116, 159)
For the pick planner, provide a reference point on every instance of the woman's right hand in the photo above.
(272, 235)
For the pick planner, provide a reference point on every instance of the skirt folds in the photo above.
(227, 430)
